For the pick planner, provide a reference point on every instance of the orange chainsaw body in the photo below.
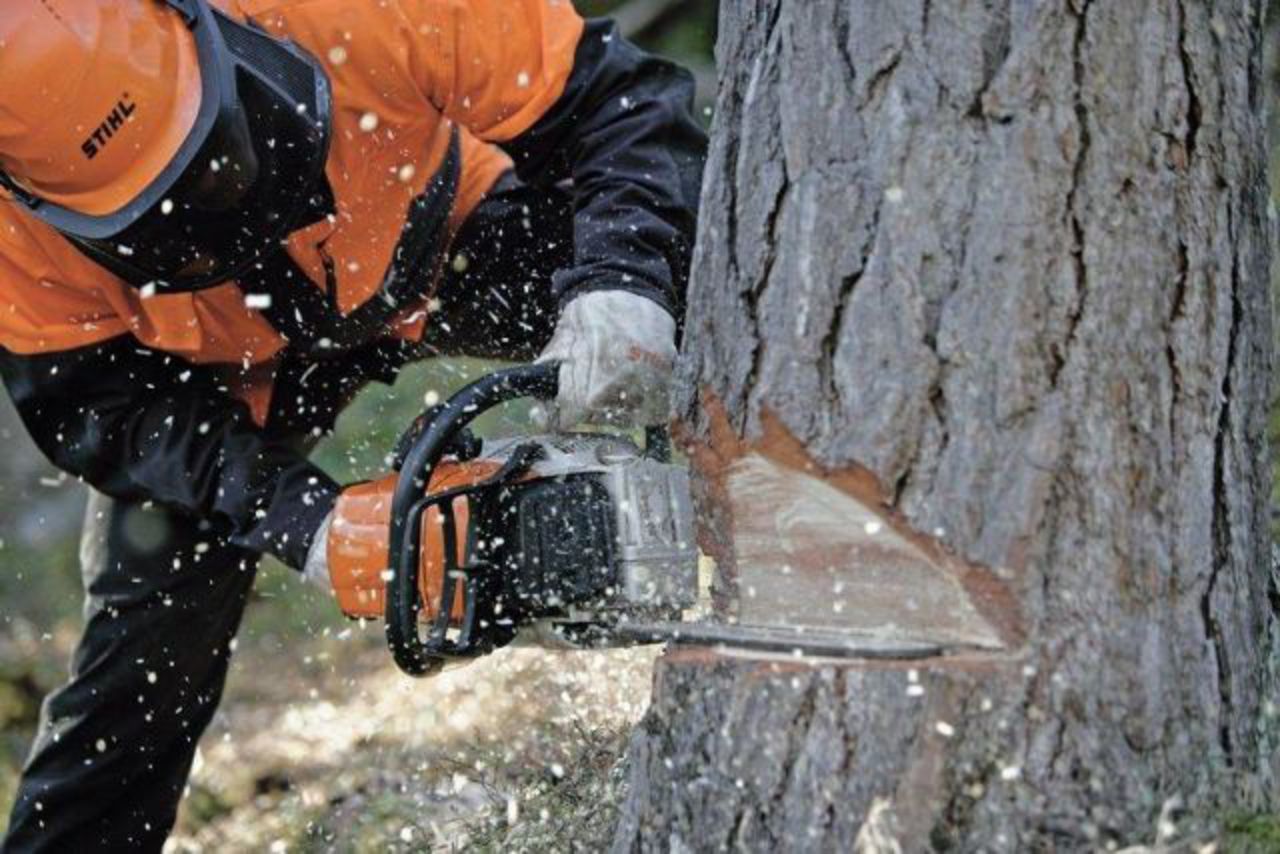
(360, 532)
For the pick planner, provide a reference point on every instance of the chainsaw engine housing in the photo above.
(593, 532)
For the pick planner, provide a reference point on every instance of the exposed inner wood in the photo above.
(811, 547)
(808, 554)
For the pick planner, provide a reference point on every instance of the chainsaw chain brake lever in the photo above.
(464, 446)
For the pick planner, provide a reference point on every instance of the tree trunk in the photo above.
(995, 273)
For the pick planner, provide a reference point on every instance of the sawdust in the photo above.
(367, 759)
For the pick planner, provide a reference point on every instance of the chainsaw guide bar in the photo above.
(784, 640)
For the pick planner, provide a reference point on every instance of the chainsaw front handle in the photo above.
(402, 601)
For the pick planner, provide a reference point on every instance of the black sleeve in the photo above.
(624, 132)
(141, 425)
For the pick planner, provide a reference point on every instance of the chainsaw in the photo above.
(567, 534)
(579, 540)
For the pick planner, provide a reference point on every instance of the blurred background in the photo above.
(320, 744)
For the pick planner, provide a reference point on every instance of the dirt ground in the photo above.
(322, 745)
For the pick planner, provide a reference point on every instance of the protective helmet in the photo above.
(170, 143)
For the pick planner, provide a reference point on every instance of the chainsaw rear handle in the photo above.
(411, 653)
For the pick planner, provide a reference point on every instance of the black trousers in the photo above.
(164, 595)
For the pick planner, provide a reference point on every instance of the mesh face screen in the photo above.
(293, 75)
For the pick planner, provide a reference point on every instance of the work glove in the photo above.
(616, 352)
(348, 555)
(316, 568)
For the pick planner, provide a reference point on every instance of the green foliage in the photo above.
(39, 583)
(1251, 834)
(690, 23)
(684, 30)
(368, 429)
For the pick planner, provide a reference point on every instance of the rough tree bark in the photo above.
(1002, 266)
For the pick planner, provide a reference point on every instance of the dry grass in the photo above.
(322, 745)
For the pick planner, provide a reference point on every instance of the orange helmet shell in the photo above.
(96, 97)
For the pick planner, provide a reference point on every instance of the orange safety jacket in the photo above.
(398, 88)
(509, 78)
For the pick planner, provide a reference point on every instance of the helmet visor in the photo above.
(250, 173)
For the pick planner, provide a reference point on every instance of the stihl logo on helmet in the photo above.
(103, 133)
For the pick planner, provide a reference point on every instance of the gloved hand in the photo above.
(348, 554)
(316, 569)
(616, 352)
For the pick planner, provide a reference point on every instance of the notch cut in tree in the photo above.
(988, 280)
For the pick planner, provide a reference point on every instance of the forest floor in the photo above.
(322, 745)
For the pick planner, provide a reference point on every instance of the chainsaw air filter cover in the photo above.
(552, 539)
